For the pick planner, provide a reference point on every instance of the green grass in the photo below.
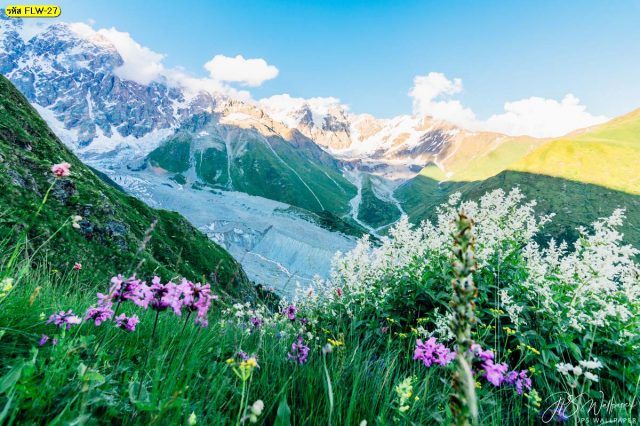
(186, 371)
(116, 232)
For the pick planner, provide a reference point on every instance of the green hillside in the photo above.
(580, 177)
(574, 203)
(375, 211)
(606, 155)
(115, 234)
(295, 172)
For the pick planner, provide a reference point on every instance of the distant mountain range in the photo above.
(351, 173)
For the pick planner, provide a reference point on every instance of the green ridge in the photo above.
(114, 225)
(374, 211)
(574, 203)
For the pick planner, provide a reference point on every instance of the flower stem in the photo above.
(146, 360)
(241, 410)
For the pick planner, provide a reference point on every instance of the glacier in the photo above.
(276, 247)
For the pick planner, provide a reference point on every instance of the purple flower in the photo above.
(196, 297)
(519, 379)
(290, 312)
(303, 321)
(482, 354)
(243, 355)
(127, 323)
(164, 296)
(202, 321)
(299, 351)
(130, 289)
(561, 415)
(494, 373)
(43, 340)
(99, 314)
(256, 322)
(430, 352)
(64, 319)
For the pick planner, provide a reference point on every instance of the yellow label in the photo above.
(32, 11)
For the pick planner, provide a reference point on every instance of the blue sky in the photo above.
(367, 53)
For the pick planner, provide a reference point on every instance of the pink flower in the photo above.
(64, 319)
(196, 297)
(130, 289)
(480, 353)
(165, 296)
(77, 266)
(99, 314)
(495, 373)
(61, 169)
(519, 379)
(339, 292)
(431, 352)
(127, 323)
(290, 312)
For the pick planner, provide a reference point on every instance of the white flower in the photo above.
(591, 365)
(257, 407)
(564, 368)
(192, 420)
(577, 371)
(590, 376)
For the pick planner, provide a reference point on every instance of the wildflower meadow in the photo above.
(476, 318)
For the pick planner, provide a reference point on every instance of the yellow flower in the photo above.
(335, 343)
(509, 330)
(230, 361)
(6, 285)
(249, 364)
(534, 350)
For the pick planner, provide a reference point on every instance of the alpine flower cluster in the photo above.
(431, 352)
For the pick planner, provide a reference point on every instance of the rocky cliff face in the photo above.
(73, 80)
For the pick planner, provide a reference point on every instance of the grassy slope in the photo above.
(257, 171)
(374, 211)
(606, 155)
(574, 203)
(114, 223)
(580, 177)
(497, 160)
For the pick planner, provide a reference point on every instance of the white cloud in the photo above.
(427, 92)
(543, 117)
(281, 107)
(250, 72)
(534, 116)
(140, 64)
(143, 65)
